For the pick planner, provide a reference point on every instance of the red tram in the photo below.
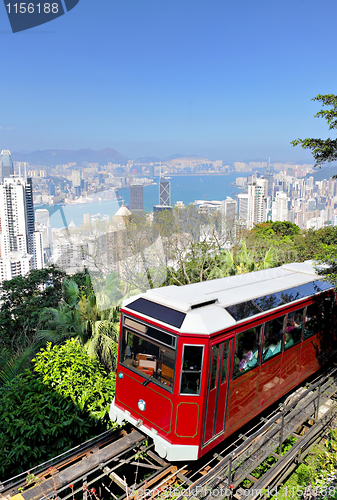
(197, 362)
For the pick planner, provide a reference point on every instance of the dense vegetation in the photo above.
(59, 402)
(58, 340)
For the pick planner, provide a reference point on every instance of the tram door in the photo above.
(214, 422)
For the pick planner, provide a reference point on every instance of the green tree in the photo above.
(68, 370)
(36, 424)
(22, 300)
(323, 150)
(79, 316)
(279, 236)
(62, 401)
(240, 261)
(280, 229)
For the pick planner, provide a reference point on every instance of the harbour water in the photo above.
(186, 188)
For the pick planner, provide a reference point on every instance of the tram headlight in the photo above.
(142, 405)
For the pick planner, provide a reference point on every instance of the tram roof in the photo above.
(211, 306)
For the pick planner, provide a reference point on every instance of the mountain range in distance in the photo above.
(51, 157)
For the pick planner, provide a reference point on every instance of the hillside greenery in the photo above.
(62, 400)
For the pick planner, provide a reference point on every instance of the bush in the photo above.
(72, 373)
(61, 402)
(36, 424)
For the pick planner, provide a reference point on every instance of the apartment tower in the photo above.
(20, 245)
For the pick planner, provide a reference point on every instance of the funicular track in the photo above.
(306, 417)
(121, 463)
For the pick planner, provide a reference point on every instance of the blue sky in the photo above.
(224, 79)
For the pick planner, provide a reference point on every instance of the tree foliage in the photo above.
(22, 300)
(72, 373)
(79, 316)
(323, 150)
(61, 402)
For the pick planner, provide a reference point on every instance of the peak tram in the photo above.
(197, 362)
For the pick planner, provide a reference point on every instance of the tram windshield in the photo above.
(149, 351)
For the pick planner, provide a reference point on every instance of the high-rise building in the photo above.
(269, 175)
(136, 198)
(21, 246)
(76, 177)
(76, 181)
(164, 192)
(243, 206)
(42, 226)
(229, 207)
(257, 194)
(280, 210)
(6, 164)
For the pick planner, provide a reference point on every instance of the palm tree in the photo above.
(79, 316)
(13, 364)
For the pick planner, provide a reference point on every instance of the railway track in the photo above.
(121, 464)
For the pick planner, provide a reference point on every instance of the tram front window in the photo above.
(148, 357)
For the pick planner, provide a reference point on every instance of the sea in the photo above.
(185, 188)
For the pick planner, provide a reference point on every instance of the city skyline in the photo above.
(223, 80)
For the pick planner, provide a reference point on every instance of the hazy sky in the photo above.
(225, 79)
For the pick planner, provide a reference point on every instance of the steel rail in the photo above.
(237, 465)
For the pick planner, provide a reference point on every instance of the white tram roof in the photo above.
(204, 304)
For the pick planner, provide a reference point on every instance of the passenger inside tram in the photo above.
(293, 331)
(273, 336)
(272, 344)
(246, 351)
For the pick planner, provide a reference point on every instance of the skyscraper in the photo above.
(76, 181)
(136, 198)
(269, 175)
(20, 245)
(257, 194)
(6, 164)
(243, 206)
(164, 192)
(280, 210)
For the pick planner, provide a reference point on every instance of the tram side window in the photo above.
(191, 369)
(293, 329)
(225, 361)
(215, 352)
(246, 351)
(273, 337)
(328, 310)
(312, 321)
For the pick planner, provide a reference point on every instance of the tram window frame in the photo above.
(278, 349)
(289, 330)
(149, 365)
(225, 360)
(214, 370)
(242, 359)
(186, 371)
(314, 331)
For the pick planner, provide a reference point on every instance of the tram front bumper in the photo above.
(172, 452)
